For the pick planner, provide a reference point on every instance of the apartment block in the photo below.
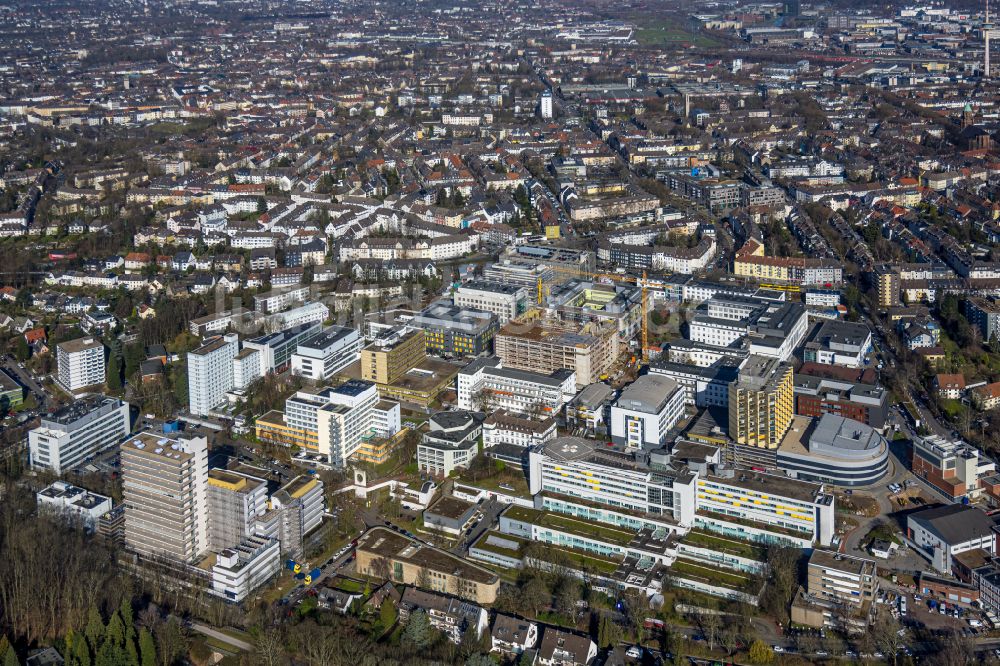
(164, 486)
(210, 373)
(66, 438)
(985, 315)
(277, 300)
(80, 363)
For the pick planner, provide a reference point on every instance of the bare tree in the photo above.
(710, 625)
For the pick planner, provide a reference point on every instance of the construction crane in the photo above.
(641, 282)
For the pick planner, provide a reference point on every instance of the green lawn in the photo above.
(668, 32)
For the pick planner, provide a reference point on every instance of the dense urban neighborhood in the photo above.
(539, 334)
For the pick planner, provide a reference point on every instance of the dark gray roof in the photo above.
(955, 523)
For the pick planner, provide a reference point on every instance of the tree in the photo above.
(115, 632)
(94, 631)
(609, 633)
(479, 660)
(22, 352)
(418, 630)
(269, 649)
(79, 654)
(710, 623)
(114, 373)
(761, 653)
(9, 655)
(535, 594)
(566, 595)
(147, 648)
(885, 632)
(636, 608)
(110, 655)
(729, 638)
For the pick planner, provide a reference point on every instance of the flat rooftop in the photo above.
(383, 542)
(831, 560)
(770, 484)
(80, 344)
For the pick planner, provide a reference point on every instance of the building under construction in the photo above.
(543, 344)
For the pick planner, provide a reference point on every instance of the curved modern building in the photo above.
(835, 450)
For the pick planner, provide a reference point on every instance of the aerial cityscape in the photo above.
(499, 334)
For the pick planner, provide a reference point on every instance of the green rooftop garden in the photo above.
(727, 579)
(704, 539)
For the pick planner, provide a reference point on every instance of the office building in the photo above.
(515, 434)
(646, 411)
(574, 474)
(453, 331)
(544, 346)
(235, 501)
(754, 506)
(703, 386)
(327, 354)
(245, 567)
(506, 301)
(66, 438)
(942, 532)
(835, 450)
(564, 260)
(840, 592)
(485, 385)
(277, 348)
(590, 409)
(412, 562)
(332, 422)
(450, 443)
(521, 273)
(761, 403)
(74, 502)
(390, 357)
(815, 396)
(210, 373)
(308, 313)
(839, 343)
(164, 486)
(81, 363)
(952, 466)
